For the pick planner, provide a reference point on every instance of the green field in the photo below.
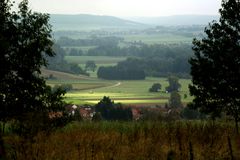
(83, 48)
(128, 92)
(90, 90)
(157, 38)
(99, 60)
(87, 90)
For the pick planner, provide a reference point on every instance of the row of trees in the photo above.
(174, 85)
(110, 111)
(91, 41)
(120, 73)
(58, 63)
(165, 51)
(156, 60)
(148, 67)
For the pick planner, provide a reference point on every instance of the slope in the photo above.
(90, 22)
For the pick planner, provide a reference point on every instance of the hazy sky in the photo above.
(127, 8)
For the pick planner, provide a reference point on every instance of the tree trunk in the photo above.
(230, 148)
(3, 127)
(2, 149)
(236, 125)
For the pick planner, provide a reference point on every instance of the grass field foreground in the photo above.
(202, 140)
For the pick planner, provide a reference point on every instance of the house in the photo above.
(86, 113)
(53, 115)
(71, 109)
(136, 114)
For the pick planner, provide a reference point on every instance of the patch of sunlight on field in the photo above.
(92, 95)
(126, 92)
(137, 101)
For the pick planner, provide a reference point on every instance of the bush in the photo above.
(66, 87)
(156, 87)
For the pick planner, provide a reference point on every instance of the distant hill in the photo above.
(176, 20)
(89, 22)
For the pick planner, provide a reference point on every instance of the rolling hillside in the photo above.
(90, 22)
(176, 20)
(64, 76)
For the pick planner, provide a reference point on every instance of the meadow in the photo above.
(128, 92)
(83, 48)
(90, 90)
(174, 140)
(158, 38)
(99, 60)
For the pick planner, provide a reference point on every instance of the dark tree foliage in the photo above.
(158, 60)
(174, 85)
(120, 73)
(75, 52)
(104, 107)
(156, 87)
(111, 111)
(125, 70)
(25, 39)
(190, 114)
(175, 100)
(65, 87)
(58, 63)
(92, 41)
(90, 65)
(215, 67)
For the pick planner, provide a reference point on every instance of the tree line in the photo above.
(143, 50)
(58, 63)
(156, 60)
(143, 67)
(120, 73)
(91, 41)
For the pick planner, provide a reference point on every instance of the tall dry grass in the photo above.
(130, 141)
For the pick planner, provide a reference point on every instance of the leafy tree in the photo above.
(104, 107)
(215, 65)
(90, 65)
(175, 100)
(174, 85)
(65, 87)
(111, 111)
(120, 72)
(74, 68)
(97, 117)
(156, 87)
(189, 113)
(25, 41)
(151, 115)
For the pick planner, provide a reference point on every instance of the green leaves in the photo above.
(26, 38)
(215, 65)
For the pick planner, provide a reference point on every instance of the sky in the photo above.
(127, 8)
